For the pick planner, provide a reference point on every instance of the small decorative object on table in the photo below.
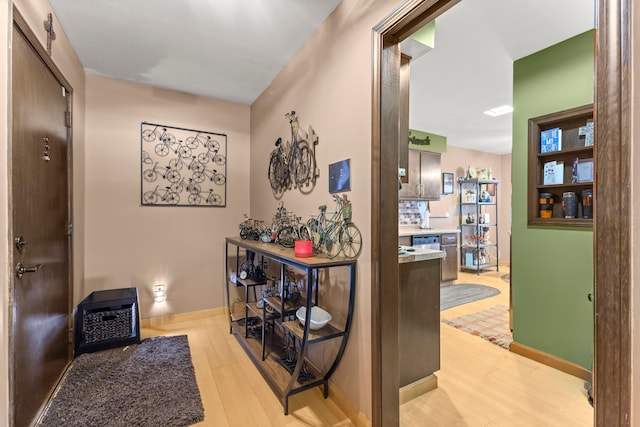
(336, 234)
(319, 317)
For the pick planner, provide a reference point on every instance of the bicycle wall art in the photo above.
(292, 163)
(182, 167)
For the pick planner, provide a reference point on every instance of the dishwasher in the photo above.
(427, 242)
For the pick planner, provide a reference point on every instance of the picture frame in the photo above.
(447, 183)
(584, 170)
(340, 176)
(182, 167)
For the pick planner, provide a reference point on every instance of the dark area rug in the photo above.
(454, 295)
(148, 384)
(491, 324)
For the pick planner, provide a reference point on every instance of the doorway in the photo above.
(613, 280)
(41, 287)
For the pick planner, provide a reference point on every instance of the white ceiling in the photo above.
(225, 49)
(232, 50)
(470, 68)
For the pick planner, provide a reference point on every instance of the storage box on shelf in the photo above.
(561, 163)
(478, 224)
(282, 359)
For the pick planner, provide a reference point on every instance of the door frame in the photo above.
(612, 231)
(23, 27)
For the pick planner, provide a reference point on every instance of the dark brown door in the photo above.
(40, 232)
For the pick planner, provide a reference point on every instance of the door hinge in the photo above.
(67, 119)
(70, 230)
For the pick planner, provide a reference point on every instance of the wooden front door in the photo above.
(39, 204)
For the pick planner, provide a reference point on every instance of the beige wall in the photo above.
(328, 83)
(35, 12)
(131, 245)
(456, 160)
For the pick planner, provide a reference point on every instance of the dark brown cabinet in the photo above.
(575, 168)
(424, 176)
(418, 320)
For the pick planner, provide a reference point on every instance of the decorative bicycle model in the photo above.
(287, 228)
(336, 234)
(293, 163)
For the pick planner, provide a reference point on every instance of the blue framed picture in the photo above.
(340, 176)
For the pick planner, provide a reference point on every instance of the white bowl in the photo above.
(319, 317)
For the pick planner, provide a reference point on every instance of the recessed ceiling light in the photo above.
(499, 111)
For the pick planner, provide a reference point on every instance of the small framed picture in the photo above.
(340, 176)
(447, 183)
(584, 170)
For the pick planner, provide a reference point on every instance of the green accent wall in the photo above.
(552, 268)
(436, 143)
(426, 35)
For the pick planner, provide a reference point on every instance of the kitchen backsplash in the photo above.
(408, 212)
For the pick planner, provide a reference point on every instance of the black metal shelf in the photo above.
(261, 351)
(475, 230)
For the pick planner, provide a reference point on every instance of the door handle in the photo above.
(21, 269)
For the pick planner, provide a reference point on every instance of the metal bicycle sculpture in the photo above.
(285, 229)
(292, 163)
(288, 228)
(336, 234)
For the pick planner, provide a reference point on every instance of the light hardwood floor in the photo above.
(479, 383)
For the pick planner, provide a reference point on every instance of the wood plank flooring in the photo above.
(479, 384)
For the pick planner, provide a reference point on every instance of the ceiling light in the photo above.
(499, 111)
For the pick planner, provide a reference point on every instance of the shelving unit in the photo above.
(573, 147)
(478, 199)
(282, 358)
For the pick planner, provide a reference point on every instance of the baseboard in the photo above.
(418, 388)
(152, 322)
(551, 360)
(346, 406)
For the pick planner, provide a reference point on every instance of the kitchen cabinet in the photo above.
(424, 176)
(283, 360)
(573, 155)
(478, 224)
(418, 322)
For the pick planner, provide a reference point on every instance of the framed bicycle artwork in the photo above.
(182, 167)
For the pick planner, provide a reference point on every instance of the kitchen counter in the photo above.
(411, 254)
(412, 230)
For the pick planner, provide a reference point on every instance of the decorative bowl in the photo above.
(319, 317)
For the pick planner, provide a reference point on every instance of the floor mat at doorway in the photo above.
(491, 324)
(455, 295)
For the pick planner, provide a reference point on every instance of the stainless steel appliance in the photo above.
(429, 242)
(449, 264)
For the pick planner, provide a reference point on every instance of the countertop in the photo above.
(418, 254)
(413, 230)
